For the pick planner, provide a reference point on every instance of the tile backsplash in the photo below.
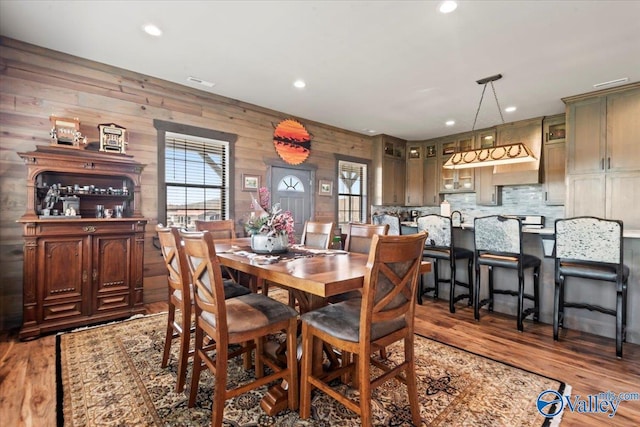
(516, 200)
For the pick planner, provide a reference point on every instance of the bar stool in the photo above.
(392, 220)
(440, 247)
(591, 248)
(498, 243)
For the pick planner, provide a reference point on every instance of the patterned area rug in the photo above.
(111, 376)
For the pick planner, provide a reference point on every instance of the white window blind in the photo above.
(196, 179)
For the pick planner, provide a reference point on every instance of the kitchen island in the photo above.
(540, 242)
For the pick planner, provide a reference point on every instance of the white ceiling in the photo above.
(395, 67)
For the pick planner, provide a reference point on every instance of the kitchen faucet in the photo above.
(459, 214)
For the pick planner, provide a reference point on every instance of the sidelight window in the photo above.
(352, 192)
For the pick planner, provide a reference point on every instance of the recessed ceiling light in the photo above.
(448, 6)
(152, 30)
(510, 109)
(450, 122)
(200, 81)
(299, 84)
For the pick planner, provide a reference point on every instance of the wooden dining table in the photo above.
(311, 275)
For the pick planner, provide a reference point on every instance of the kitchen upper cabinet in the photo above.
(430, 196)
(390, 170)
(456, 180)
(486, 192)
(604, 132)
(554, 156)
(415, 175)
(623, 132)
(587, 124)
(603, 167)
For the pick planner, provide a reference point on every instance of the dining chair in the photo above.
(181, 298)
(359, 236)
(591, 248)
(219, 229)
(222, 229)
(245, 320)
(358, 239)
(361, 326)
(392, 220)
(440, 247)
(317, 235)
(498, 243)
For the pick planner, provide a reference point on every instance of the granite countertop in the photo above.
(547, 231)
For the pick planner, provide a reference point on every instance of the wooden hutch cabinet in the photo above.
(81, 269)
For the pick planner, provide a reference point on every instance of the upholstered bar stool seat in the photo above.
(591, 248)
(439, 247)
(498, 244)
(593, 271)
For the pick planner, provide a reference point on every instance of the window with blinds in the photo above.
(352, 192)
(196, 179)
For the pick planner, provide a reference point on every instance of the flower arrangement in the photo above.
(269, 220)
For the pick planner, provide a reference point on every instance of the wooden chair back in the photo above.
(175, 261)
(317, 235)
(389, 291)
(219, 229)
(359, 236)
(206, 275)
(180, 291)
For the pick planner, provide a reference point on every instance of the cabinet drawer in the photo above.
(62, 310)
(112, 301)
(72, 227)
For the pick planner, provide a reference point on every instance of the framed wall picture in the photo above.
(431, 151)
(325, 187)
(250, 182)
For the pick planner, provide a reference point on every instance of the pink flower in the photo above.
(269, 220)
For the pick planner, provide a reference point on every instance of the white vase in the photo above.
(264, 244)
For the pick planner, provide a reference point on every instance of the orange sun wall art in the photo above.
(292, 142)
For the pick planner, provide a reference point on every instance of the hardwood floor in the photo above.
(586, 362)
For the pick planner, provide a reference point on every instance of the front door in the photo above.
(293, 189)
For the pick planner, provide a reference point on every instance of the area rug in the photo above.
(111, 376)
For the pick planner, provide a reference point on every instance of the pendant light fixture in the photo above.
(491, 156)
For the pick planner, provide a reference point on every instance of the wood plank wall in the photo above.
(36, 83)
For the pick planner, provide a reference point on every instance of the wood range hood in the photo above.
(529, 133)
